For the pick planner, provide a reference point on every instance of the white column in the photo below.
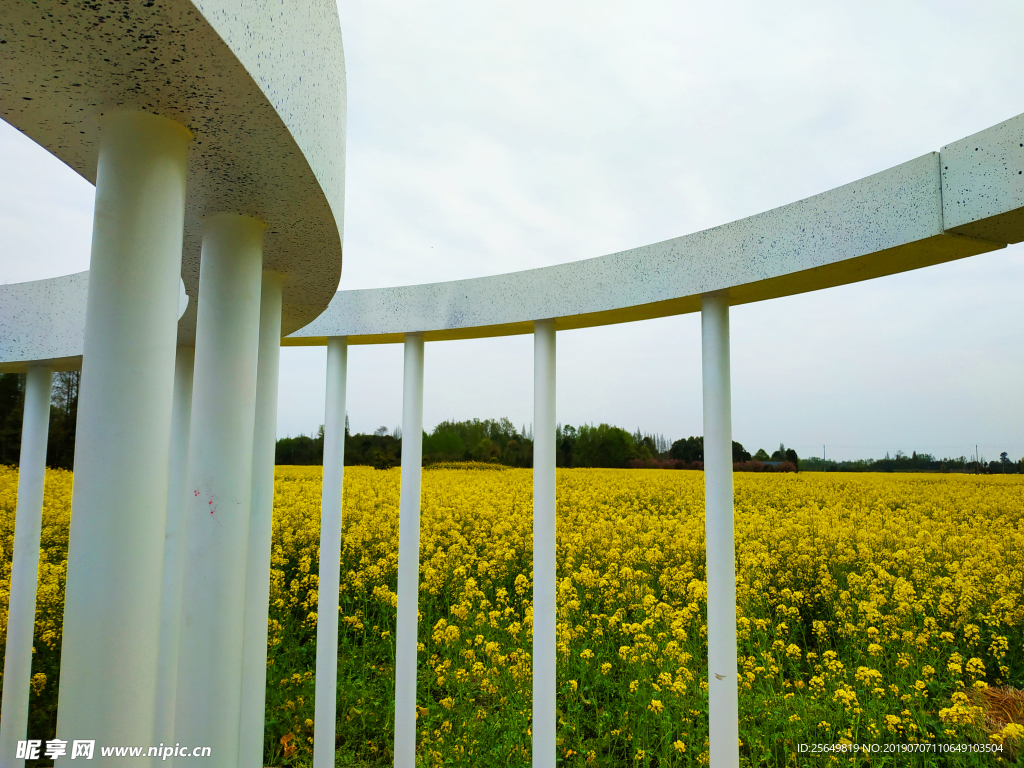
(721, 559)
(115, 555)
(219, 494)
(28, 521)
(409, 554)
(174, 550)
(544, 654)
(330, 555)
(257, 586)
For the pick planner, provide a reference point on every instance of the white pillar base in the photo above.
(330, 556)
(409, 555)
(174, 548)
(544, 620)
(115, 553)
(219, 494)
(257, 587)
(723, 703)
(28, 522)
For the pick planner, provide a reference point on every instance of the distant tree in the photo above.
(604, 446)
(60, 442)
(762, 455)
(60, 446)
(304, 449)
(646, 445)
(792, 458)
(12, 399)
(381, 451)
(464, 440)
(380, 459)
(517, 453)
(565, 445)
(485, 450)
(689, 449)
(380, 431)
(444, 445)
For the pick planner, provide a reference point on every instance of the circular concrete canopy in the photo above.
(260, 85)
(964, 200)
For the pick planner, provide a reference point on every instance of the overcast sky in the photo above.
(487, 138)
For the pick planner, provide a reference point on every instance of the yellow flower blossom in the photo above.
(875, 599)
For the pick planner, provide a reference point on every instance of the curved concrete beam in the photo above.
(966, 200)
(260, 85)
(43, 322)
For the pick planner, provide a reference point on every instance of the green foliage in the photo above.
(565, 445)
(915, 462)
(60, 447)
(379, 450)
(498, 441)
(444, 445)
(488, 440)
(604, 446)
(691, 449)
(12, 396)
(792, 458)
(60, 444)
(301, 450)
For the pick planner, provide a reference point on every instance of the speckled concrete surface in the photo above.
(889, 222)
(261, 85)
(983, 183)
(43, 322)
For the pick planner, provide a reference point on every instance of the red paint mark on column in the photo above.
(196, 492)
(210, 502)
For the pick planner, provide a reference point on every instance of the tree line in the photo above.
(920, 462)
(499, 441)
(488, 440)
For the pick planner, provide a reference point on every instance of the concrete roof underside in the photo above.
(260, 85)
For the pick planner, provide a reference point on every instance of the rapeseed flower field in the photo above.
(871, 609)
